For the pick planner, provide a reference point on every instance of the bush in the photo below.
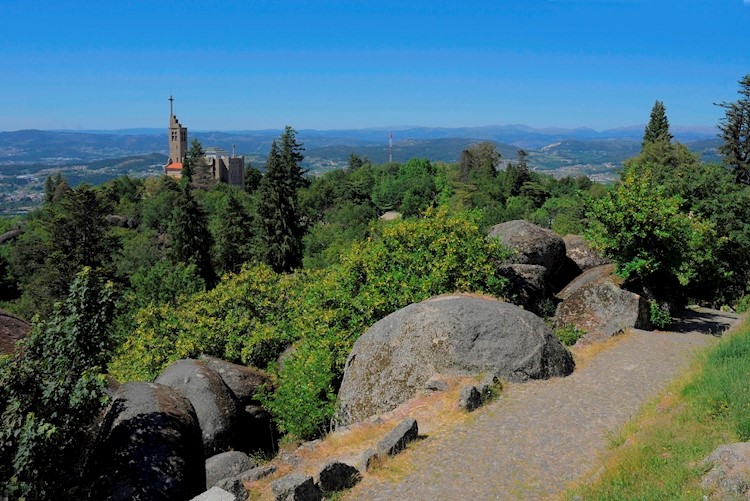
(51, 390)
(568, 334)
(253, 316)
(660, 315)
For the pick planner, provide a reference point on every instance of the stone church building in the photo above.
(225, 169)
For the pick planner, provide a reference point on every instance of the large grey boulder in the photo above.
(225, 465)
(527, 284)
(456, 334)
(729, 476)
(533, 244)
(595, 304)
(597, 274)
(149, 446)
(580, 252)
(216, 406)
(256, 430)
(244, 381)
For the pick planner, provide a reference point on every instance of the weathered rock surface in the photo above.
(474, 396)
(296, 487)
(594, 275)
(729, 477)
(534, 244)
(10, 235)
(217, 408)
(445, 335)
(217, 494)
(242, 380)
(397, 440)
(225, 465)
(12, 330)
(601, 309)
(335, 476)
(256, 430)
(527, 284)
(581, 253)
(122, 221)
(149, 447)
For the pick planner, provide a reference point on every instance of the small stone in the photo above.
(296, 487)
(396, 441)
(436, 385)
(470, 398)
(234, 486)
(336, 476)
(257, 473)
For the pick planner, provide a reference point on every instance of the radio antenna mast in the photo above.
(390, 148)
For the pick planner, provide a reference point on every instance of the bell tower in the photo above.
(177, 138)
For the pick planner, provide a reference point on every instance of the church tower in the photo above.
(177, 144)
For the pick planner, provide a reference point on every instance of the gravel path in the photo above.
(541, 435)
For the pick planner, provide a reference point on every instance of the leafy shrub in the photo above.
(743, 304)
(253, 316)
(568, 334)
(50, 392)
(660, 315)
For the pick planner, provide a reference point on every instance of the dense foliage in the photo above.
(286, 272)
(254, 316)
(50, 392)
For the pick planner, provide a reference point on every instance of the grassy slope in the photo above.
(658, 455)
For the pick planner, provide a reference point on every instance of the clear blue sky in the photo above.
(360, 63)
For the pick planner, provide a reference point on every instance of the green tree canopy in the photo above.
(658, 125)
(735, 131)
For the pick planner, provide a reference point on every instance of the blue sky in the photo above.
(351, 64)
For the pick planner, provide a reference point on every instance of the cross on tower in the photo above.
(170, 105)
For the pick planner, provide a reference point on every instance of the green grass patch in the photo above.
(658, 455)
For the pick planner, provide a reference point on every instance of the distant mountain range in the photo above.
(580, 150)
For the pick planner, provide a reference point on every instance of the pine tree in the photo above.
(735, 131)
(290, 152)
(234, 236)
(189, 238)
(658, 126)
(277, 208)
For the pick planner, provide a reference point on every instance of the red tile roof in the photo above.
(175, 166)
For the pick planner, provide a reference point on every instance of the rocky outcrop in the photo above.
(594, 275)
(595, 304)
(12, 330)
(527, 284)
(256, 430)
(445, 335)
(149, 446)
(729, 476)
(336, 476)
(296, 487)
(122, 221)
(533, 244)
(10, 235)
(580, 252)
(225, 465)
(217, 408)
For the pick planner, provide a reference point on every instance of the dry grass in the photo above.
(436, 413)
(583, 354)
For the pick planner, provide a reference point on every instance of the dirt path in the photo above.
(541, 435)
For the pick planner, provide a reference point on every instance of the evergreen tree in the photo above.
(189, 238)
(658, 126)
(252, 179)
(194, 165)
(234, 236)
(290, 153)
(278, 211)
(516, 175)
(735, 131)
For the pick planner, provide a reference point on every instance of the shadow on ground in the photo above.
(704, 320)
